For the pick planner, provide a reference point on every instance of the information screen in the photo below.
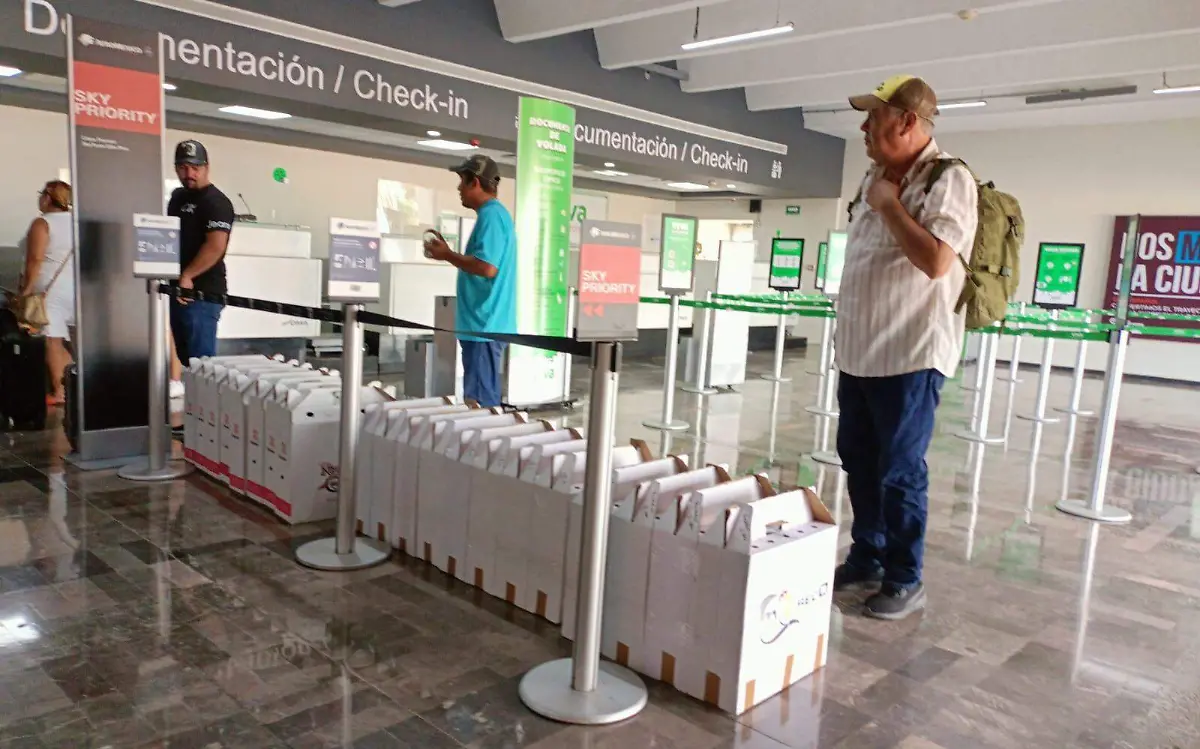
(819, 276)
(677, 253)
(787, 256)
(835, 260)
(1056, 285)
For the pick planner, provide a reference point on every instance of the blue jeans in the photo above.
(194, 327)
(481, 371)
(884, 428)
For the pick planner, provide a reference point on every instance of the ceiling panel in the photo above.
(998, 50)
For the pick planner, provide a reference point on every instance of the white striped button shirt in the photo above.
(892, 318)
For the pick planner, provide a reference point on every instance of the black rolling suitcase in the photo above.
(23, 381)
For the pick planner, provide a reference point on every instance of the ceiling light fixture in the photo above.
(609, 165)
(260, 114)
(961, 105)
(735, 38)
(446, 145)
(687, 185)
(433, 133)
(731, 186)
(8, 72)
(1178, 90)
(611, 173)
(169, 86)
(776, 30)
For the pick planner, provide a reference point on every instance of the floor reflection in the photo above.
(148, 617)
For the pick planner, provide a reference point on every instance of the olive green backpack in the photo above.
(994, 270)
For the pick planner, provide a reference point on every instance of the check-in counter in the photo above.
(273, 262)
(411, 282)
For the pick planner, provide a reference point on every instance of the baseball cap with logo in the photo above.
(479, 166)
(904, 92)
(191, 152)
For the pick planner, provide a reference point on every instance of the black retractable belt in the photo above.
(558, 344)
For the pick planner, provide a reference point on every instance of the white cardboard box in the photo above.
(776, 578)
(710, 515)
(499, 507)
(475, 454)
(444, 485)
(513, 508)
(232, 391)
(628, 568)
(267, 388)
(556, 540)
(303, 471)
(672, 561)
(193, 400)
(373, 484)
(402, 466)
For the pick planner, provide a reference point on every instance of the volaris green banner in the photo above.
(786, 258)
(819, 276)
(545, 171)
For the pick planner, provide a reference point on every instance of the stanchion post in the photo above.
(1094, 509)
(582, 689)
(156, 467)
(1077, 383)
(701, 386)
(1044, 373)
(989, 345)
(780, 341)
(974, 388)
(345, 551)
(826, 340)
(669, 423)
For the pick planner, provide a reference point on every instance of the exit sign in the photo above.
(793, 210)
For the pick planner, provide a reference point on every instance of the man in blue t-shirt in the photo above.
(486, 280)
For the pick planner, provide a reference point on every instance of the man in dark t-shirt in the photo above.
(205, 223)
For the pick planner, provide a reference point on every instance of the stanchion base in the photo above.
(818, 411)
(1075, 412)
(698, 391)
(773, 378)
(619, 694)
(666, 426)
(1039, 419)
(972, 437)
(322, 555)
(828, 458)
(1014, 380)
(140, 471)
(1081, 509)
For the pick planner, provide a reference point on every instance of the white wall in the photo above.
(1071, 182)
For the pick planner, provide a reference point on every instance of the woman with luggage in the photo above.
(50, 271)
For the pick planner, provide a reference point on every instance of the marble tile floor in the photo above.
(174, 616)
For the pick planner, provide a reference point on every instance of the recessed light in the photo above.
(169, 86)
(8, 72)
(687, 185)
(609, 165)
(260, 114)
(611, 173)
(1178, 90)
(731, 186)
(433, 133)
(961, 105)
(446, 145)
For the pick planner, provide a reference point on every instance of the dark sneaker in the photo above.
(893, 603)
(846, 577)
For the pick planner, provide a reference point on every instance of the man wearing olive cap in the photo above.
(898, 336)
(205, 223)
(487, 279)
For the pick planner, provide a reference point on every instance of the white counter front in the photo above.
(269, 240)
(289, 280)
